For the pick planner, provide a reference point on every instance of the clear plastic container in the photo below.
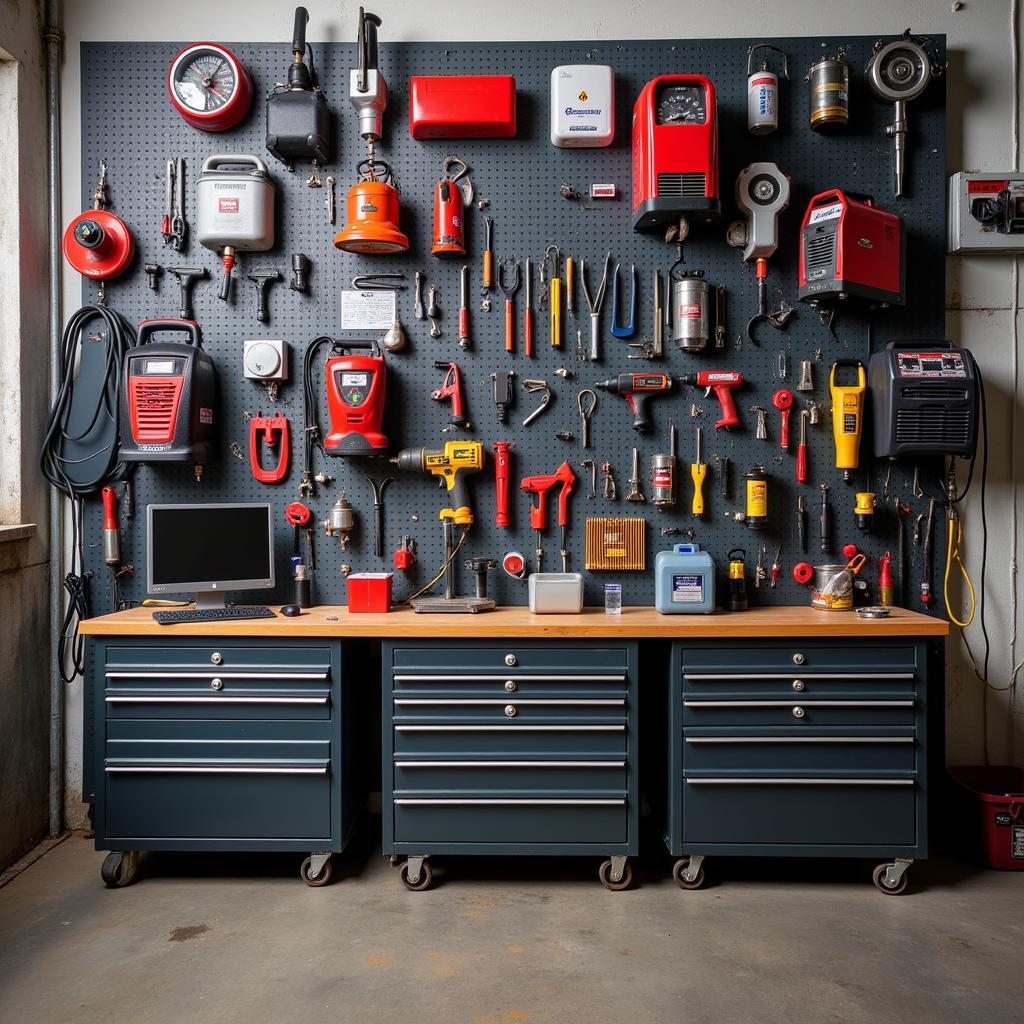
(613, 598)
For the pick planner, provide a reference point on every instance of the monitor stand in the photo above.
(212, 599)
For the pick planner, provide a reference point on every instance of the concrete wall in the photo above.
(982, 307)
(24, 626)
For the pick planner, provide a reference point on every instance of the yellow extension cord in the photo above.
(953, 553)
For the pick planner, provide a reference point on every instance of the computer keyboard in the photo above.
(246, 611)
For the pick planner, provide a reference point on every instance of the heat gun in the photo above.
(722, 383)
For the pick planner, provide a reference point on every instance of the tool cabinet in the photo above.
(224, 744)
(510, 747)
(799, 748)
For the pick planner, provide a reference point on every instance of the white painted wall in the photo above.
(982, 307)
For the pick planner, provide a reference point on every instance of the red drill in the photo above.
(722, 383)
(540, 485)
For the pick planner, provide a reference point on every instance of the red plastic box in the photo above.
(370, 591)
(462, 106)
(992, 801)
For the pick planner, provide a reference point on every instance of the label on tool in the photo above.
(690, 310)
(661, 476)
(757, 498)
(825, 213)
(367, 311)
(687, 588)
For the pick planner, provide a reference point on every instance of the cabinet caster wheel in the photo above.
(604, 872)
(678, 873)
(884, 883)
(119, 869)
(318, 880)
(424, 881)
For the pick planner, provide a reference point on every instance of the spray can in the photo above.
(756, 516)
(691, 319)
(829, 93)
(737, 580)
(763, 91)
(663, 475)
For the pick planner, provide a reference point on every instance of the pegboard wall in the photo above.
(128, 120)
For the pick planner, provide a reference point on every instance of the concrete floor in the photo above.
(503, 942)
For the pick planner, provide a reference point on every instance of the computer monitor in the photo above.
(208, 550)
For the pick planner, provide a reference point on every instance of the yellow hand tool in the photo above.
(699, 470)
(553, 259)
(847, 412)
(457, 458)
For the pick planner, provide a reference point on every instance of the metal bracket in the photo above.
(693, 868)
(415, 866)
(618, 868)
(317, 862)
(894, 872)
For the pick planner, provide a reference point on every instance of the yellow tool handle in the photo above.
(556, 312)
(698, 471)
(487, 280)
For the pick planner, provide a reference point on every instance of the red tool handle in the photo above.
(801, 464)
(729, 417)
(109, 508)
(510, 326)
(784, 441)
(568, 479)
(501, 464)
(464, 323)
(528, 332)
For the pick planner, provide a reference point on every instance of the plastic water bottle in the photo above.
(613, 598)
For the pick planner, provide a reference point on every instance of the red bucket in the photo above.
(993, 798)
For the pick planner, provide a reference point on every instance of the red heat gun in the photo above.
(722, 383)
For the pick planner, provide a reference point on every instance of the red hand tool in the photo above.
(501, 464)
(509, 291)
(111, 533)
(298, 515)
(722, 383)
(540, 485)
(451, 389)
(783, 401)
(269, 431)
(801, 451)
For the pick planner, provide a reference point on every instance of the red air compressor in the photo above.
(356, 389)
(851, 249)
(675, 152)
(168, 397)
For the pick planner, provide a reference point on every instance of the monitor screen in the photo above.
(210, 547)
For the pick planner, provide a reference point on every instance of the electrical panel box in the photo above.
(582, 106)
(986, 212)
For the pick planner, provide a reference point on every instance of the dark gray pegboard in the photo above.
(128, 120)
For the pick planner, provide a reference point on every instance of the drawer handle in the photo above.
(284, 674)
(510, 660)
(711, 677)
(525, 727)
(799, 685)
(216, 684)
(798, 712)
(799, 782)
(807, 703)
(510, 685)
(401, 702)
(510, 711)
(798, 659)
(510, 764)
(216, 658)
(482, 677)
(445, 802)
(200, 699)
(799, 739)
(207, 770)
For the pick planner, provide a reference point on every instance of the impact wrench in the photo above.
(638, 389)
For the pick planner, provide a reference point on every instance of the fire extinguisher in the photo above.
(449, 207)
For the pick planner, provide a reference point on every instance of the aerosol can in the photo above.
(663, 475)
(449, 211)
(763, 90)
(235, 200)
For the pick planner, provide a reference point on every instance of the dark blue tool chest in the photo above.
(510, 747)
(226, 745)
(799, 748)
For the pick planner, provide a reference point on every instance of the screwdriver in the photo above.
(698, 471)
(570, 287)
(801, 451)
(487, 272)
(528, 312)
(464, 306)
(553, 259)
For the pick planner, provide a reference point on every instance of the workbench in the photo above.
(790, 732)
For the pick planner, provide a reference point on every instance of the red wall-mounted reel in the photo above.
(97, 243)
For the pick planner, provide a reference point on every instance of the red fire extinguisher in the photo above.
(449, 207)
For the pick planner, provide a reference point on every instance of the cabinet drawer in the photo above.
(222, 748)
(770, 657)
(513, 775)
(510, 820)
(486, 741)
(496, 709)
(819, 754)
(509, 684)
(223, 657)
(245, 800)
(459, 659)
(809, 811)
(797, 712)
(793, 685)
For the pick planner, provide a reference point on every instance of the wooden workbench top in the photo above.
(634, 622)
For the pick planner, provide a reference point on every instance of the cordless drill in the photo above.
(638, 389)
(722, 383)
(449, 465)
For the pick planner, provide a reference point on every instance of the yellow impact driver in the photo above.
(449, 465)
(847, 411)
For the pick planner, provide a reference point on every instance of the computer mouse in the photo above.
(290, 610)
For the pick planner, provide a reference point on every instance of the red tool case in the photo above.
(462, 106)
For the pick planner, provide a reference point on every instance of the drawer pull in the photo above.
(799, 739)
(482, 677)
(216, 684)
(210, 769)
(510, 764)
(807, 704)
(519, 727)
(510, 685)
(616, 702)
(510, 711)
(216, 658)
(284, 674)
(799, 685)
(798, 712)
(799, 782)
(202, 699)
(467, 802)
(510, 660)
(711, 677)
(798, 659)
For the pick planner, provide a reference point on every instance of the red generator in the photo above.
(851, 249)
(675, 153)
(356, 389)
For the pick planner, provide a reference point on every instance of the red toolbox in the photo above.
(992, 799)
(369, 591)
(462, 106)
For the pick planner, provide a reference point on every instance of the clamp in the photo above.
(269, 430)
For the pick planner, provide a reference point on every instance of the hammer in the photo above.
(263, 281)
(187, 276)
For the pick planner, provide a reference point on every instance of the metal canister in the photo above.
(663, 480)
(829, 93)
(832, 587)
(691, 320)
(756, 516)
(737, 580)
(762, 102)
